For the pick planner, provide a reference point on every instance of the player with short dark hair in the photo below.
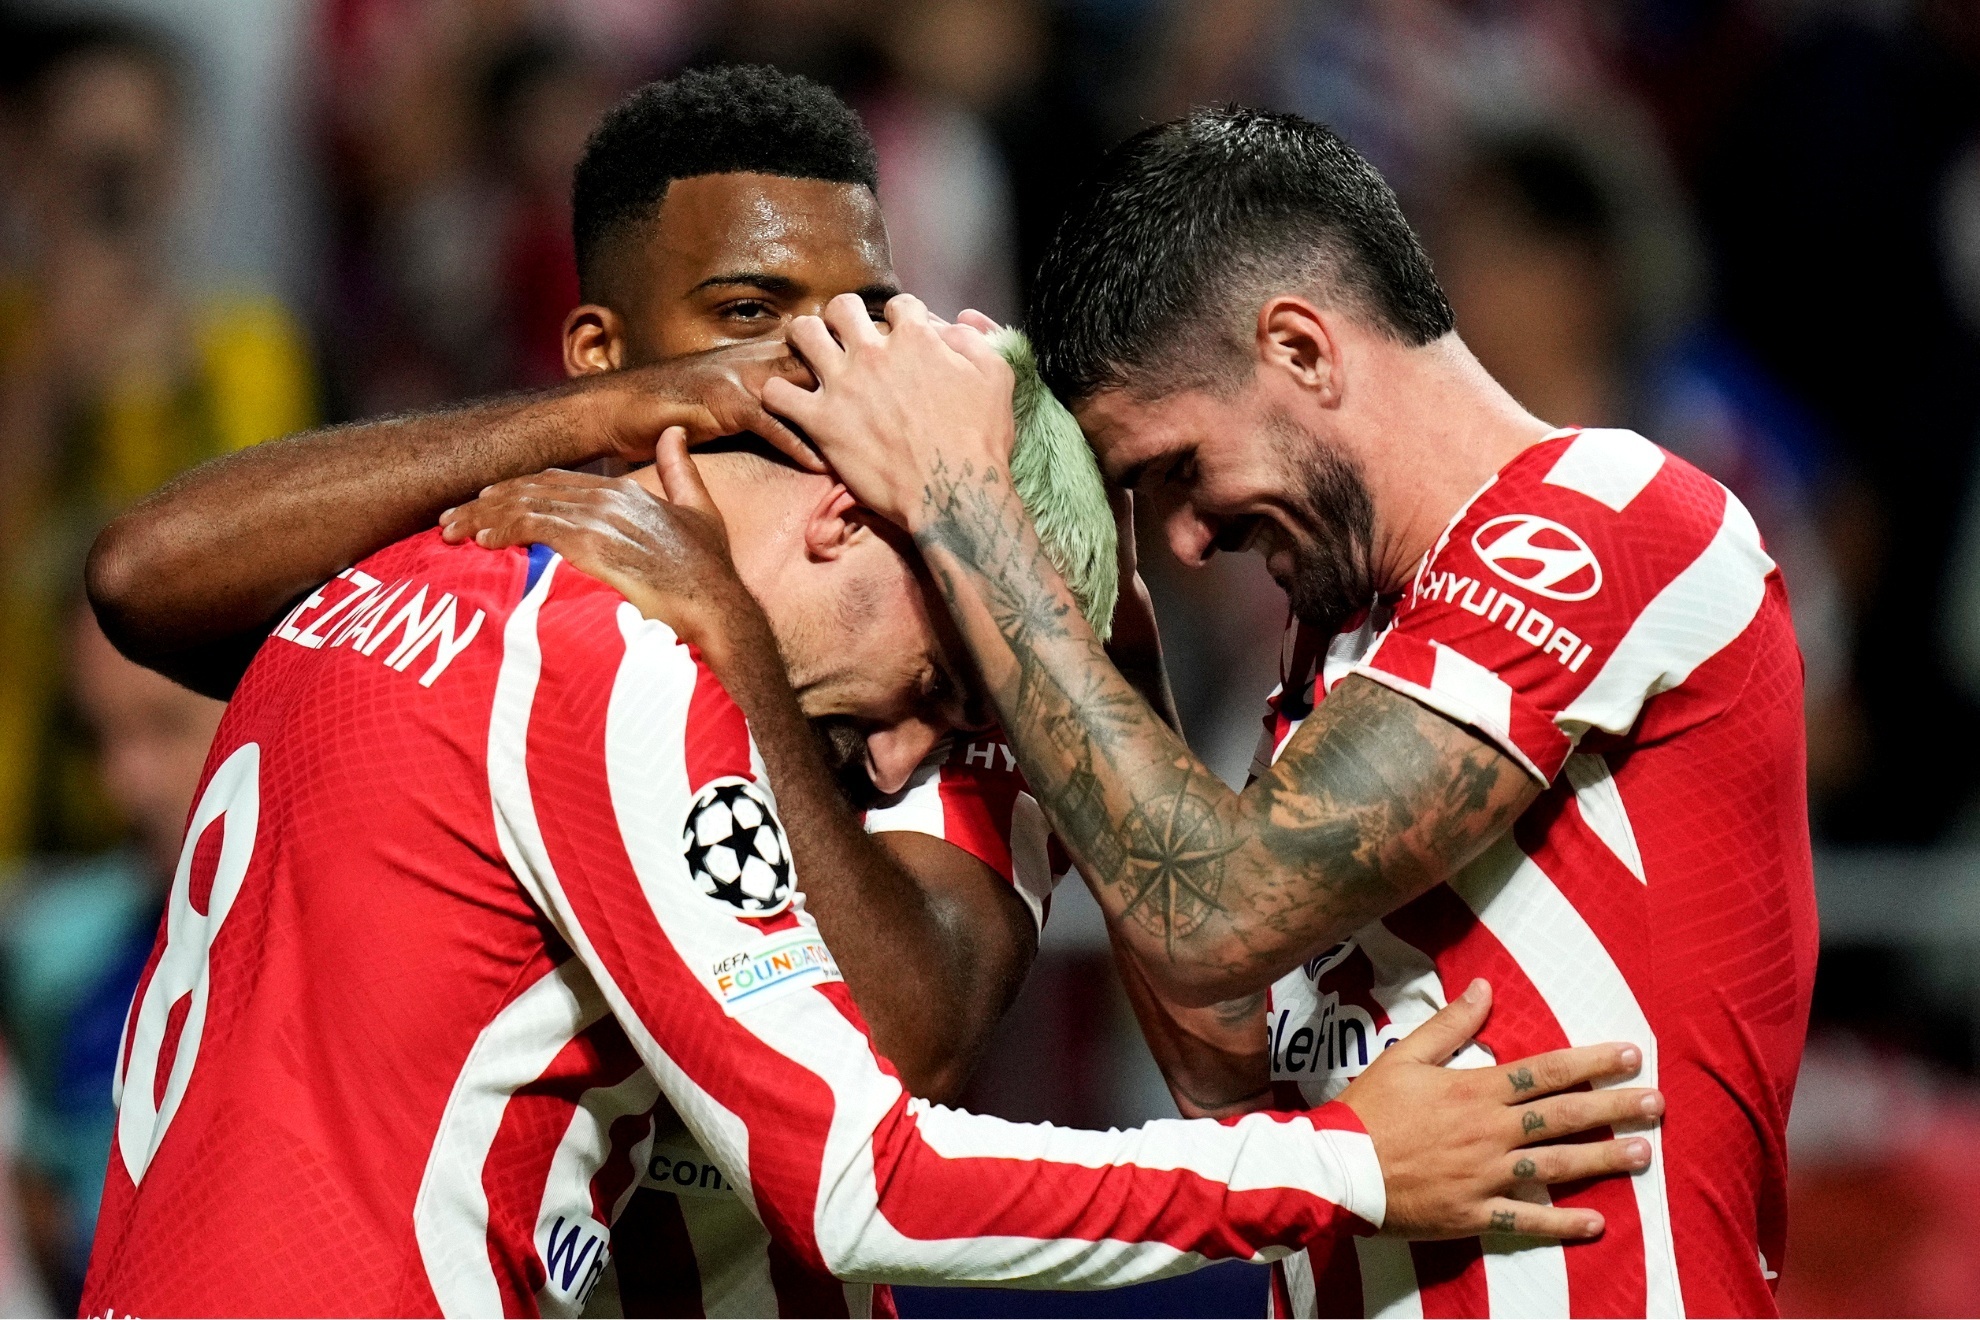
(1541, 713)
(1186, 223)
(725, 120)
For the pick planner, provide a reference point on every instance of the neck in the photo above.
(1439, 428)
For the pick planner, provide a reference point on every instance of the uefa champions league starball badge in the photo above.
(735, 848)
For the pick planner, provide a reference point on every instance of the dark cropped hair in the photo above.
(733, 119)
(1156, 272)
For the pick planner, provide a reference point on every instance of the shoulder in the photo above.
(579, 625)
(607, 665)
(1596, 520)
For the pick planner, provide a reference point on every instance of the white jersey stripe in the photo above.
(917, 808)
(1590, 999)
(567, 1188)
(1388, 1280)
(734, 1282)
(644, 733)
(1031, 855)
(1697, 615)
(1525, 1276)
(1600, 799)
(1299, 1283)
(652, 703)
(1610, 466)
(1334, 1159)
(450, 1215)
(1467, 686)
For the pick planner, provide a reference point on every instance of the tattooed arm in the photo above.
(1217, 893)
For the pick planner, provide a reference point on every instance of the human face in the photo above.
(876, 661)
(1239, 471)
(731, 258)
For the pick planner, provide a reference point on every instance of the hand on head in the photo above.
(668, 556)
(890, 409)
(708, 395)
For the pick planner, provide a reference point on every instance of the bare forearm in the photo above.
(931, 976)
(1213, 1059)
(1217, 893)
(221, 551)
(1150, 828)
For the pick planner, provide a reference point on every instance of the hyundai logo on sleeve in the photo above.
(1540, 555)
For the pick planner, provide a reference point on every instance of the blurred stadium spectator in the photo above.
(75, 934)
(114, 374)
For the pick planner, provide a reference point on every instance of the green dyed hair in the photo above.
(1060, 485)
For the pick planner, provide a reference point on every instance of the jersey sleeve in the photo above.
(973, 795)
(1593, 573)
(619, 768)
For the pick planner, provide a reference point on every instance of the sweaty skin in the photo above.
(933, 943)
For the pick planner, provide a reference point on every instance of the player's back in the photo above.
(341, 935)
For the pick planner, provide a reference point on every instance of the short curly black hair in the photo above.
(731, 119)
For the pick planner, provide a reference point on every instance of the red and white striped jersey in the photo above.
(1607, 615)
(972, 793)
(687, 1244)
(482, 869)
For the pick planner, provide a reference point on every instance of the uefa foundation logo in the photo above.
(735, 848)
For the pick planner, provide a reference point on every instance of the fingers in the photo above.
(1586, 1159)
(792, 402)
(1504, 1215)
(679, 477)
(972, 344)
(850, 321)
(488, 518)
(1579, 1111)
(904, 309)
(788, 442)
(1450, 1030)
(812, 340)
(525, 525)
(978, 321)
(1561, 1069)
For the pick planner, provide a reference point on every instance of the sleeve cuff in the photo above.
(1365, 1194)
(1460, 689)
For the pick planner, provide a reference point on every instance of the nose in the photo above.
(1192, 537)
(893, 753)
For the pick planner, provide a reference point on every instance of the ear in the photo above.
(594, 340)
(1298, 340)
(831, 528)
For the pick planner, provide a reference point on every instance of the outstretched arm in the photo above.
(189, 580)
(1376, 799)
(783, 1090)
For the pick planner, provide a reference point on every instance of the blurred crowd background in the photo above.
(1748, 228)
